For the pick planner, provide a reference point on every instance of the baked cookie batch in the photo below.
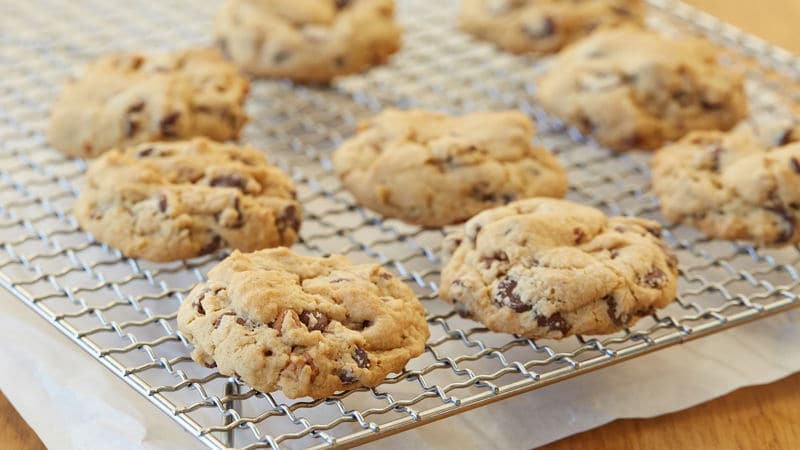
(164, 185)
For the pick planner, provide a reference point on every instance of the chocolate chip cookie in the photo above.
(547, 268)
(307, 41)
(545, 26)
(129, 98)
(305, 325)
(634, 89)
(432, 169)
(174, 200)
(731, 186)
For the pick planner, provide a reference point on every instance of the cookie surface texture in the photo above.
(432, 169)
(732, 185)
(547, 268)
(307, 40)
(128, 98)
(174, 200)
(633, 89)
(545, 26)
(305, 325)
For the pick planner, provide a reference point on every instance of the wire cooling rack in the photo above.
(122, 311)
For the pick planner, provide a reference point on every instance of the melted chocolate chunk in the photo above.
(218, 320)
(199, 306)
(240, 215)
(611, 302)
(212, 246)
(554, 322)
(168, 123)
(212, 365)
(361, 358)
(230, 180)
(136, 107)
(505, 296)
(787, 137)
(794, 164)
(145, 152)
(280, 56)
(131, 128)
(339, 61)
(347, 377)
(788, 230)
(499, 256)
(162, 203)
(241, 321)
(655, 278)
(288, 219)
(710, 106)
(314, 320)
(342, 4)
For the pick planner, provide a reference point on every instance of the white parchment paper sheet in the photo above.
(72, 402)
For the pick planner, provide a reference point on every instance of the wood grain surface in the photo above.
(759, 417)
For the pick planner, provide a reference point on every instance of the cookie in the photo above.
(432, 169)
(633, 89)
(545, 26)
(305, 325)
(307, 41)
(175, 200)
(731, 186)
(128, 98)
(547, 268)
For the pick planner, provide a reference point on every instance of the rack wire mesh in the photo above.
(122, 311)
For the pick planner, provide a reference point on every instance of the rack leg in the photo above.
(231, 388)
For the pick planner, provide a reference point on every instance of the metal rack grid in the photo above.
(122, 311)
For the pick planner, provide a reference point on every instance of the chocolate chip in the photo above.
(230, 180)
(131, 128)
(787, 137)
(314, 320)
(199, 306)
(280, 56)
(655, 230)
(794, 164)
(347, 377)
(339, 61)
(241, 321)
(716, 155)
(339, 280)
(288, 219)
(342, 4)
(614, 254)
(145, 152)
(162, 203)
(634, 141)
(136, 107)
(499, 256)
(361, 358)
(710, 106)
(655, 278)
(788, 230)
(218, 320)
(554, 322)
(167, 125)
(505, 296)
(211, 365)
(585, 124)
(611, 302)
(212, 246)
(579, 234)
(240, 215)
(621, 11)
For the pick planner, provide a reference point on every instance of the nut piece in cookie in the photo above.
(547, 268)
(633, 89)
(545, 26)
(307, 41)
(128, 98)
(432, 169)
(174, 200)
(732, 185)
(304, 325)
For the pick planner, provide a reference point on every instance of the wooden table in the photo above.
(762, 417)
